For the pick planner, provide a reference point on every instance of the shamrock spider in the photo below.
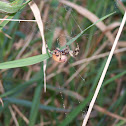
(61, 55)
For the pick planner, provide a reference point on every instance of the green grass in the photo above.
(23, 85)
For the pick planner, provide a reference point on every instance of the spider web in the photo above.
(72, 22)
(59, 44)
(68, 37)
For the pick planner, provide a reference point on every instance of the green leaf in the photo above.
(12, 7)
(24, 62)
(9, 8)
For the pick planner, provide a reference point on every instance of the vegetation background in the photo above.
(70, 85)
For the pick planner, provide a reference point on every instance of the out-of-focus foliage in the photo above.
(70, 85)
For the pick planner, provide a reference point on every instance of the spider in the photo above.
(61, 55)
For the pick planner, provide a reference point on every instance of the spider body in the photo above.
(61, 55)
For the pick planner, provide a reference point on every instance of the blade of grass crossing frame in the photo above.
(38, 18)
(12, 7)
(28, 104)
(35, 104)
(24, 62)
(81, 33)
(113, 78)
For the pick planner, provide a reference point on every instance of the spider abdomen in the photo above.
(57, 56)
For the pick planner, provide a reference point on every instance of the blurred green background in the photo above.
(70, 85)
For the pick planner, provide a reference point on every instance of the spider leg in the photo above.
(48, 49)
(71, 53)
(76, 51)
(66, 50)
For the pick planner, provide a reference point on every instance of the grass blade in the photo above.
(35, 104)
(24, 62)
(12, 7)
(28, 104)
(76, 37)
